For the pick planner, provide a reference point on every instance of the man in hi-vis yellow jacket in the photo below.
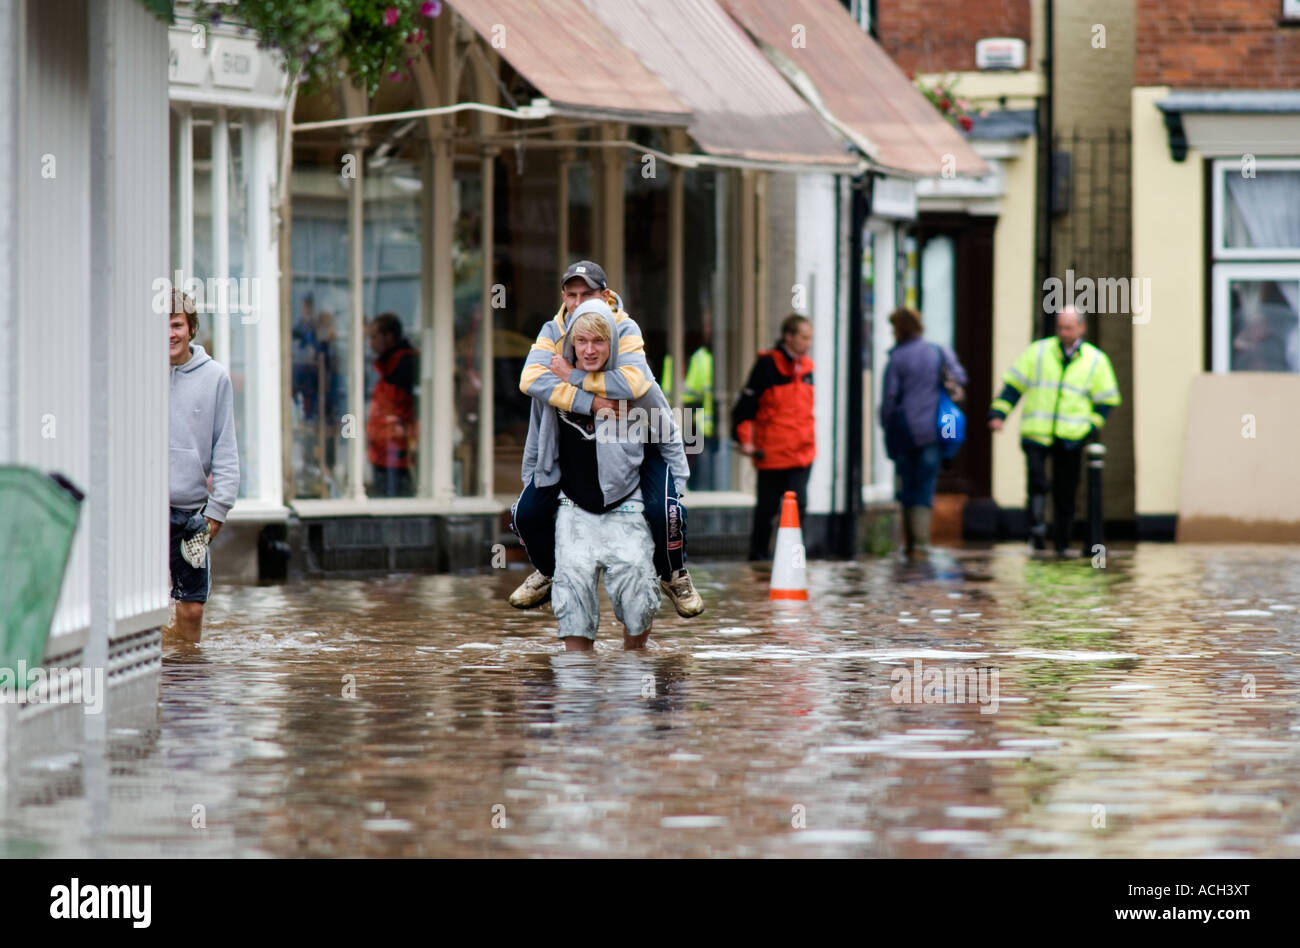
(1069, 388)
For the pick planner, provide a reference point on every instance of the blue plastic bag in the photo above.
(950, 421)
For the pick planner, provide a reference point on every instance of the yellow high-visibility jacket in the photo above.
(1064, 400)
(697, 387)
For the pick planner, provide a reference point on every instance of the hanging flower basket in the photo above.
(323, 41)
(943, 96)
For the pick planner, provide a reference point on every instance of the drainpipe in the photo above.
(1045, 155)
(859, 194)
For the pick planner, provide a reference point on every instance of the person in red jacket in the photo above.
(391, 427)
(773, 421)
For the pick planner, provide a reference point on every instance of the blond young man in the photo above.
(596, 463)
(202, 434)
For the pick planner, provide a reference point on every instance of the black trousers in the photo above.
(772, 486)
(1067, 463)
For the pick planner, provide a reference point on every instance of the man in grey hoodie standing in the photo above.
(202, 445)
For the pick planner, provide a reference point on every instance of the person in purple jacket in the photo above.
(913, 378)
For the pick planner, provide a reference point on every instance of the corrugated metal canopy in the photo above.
(857, 83)
(743, 107)
(574, 60)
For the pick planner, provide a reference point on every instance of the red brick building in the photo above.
(1218, 44)
(925, 36)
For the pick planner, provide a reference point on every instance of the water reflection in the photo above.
(1145, 709)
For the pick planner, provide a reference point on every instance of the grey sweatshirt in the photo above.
(203, 436)
(620, 449)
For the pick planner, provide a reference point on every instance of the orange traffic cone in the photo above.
(788, 578)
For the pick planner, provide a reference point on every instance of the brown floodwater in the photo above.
(1147, 708)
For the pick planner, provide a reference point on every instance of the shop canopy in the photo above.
(743, 108)
(574, 60)
(854, 84)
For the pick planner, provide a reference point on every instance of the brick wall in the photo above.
(1216, 44)
(939, 35)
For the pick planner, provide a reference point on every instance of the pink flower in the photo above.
(431, 8)
(390, 16)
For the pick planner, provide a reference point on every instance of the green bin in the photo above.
(39, 512)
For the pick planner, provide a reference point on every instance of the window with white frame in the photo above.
(221, 159)
(1255, 276)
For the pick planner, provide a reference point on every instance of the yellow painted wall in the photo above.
(1014, 305)
(1168, 351)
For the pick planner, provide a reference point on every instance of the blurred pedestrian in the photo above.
(392, 430)
(697, 401)
(202, 435)
(1069, 388)
(773, 422)
(909, 411)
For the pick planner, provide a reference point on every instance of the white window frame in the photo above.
(1223, 275)
(1291, 9)
(1222, 167)
(258, 152)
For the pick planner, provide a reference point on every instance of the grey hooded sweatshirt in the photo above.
(203, 436)
(620, 445)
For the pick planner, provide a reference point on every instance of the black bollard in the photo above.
(1096, 454)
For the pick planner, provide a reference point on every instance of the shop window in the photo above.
(938, 288)
(526, 264)
(706, 400)
(211, 151)
(390, 293)
(471, 324)
(321, 417)
(1255, 314)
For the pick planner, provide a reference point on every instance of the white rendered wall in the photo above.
(86, 358)
(819, 245)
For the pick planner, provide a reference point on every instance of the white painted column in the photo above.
(218, 305)
(11, 95)
(104, 117)
(262, 264)
(11, 54)
(885, 262)
(184, 185)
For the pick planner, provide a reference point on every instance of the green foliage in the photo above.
(879, 533)
(324, 41)
(162, 9)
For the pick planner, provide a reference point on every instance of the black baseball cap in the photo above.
(591, 272)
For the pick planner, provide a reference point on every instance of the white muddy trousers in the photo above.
(618, 543)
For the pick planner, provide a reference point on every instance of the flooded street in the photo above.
(1151, 708)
